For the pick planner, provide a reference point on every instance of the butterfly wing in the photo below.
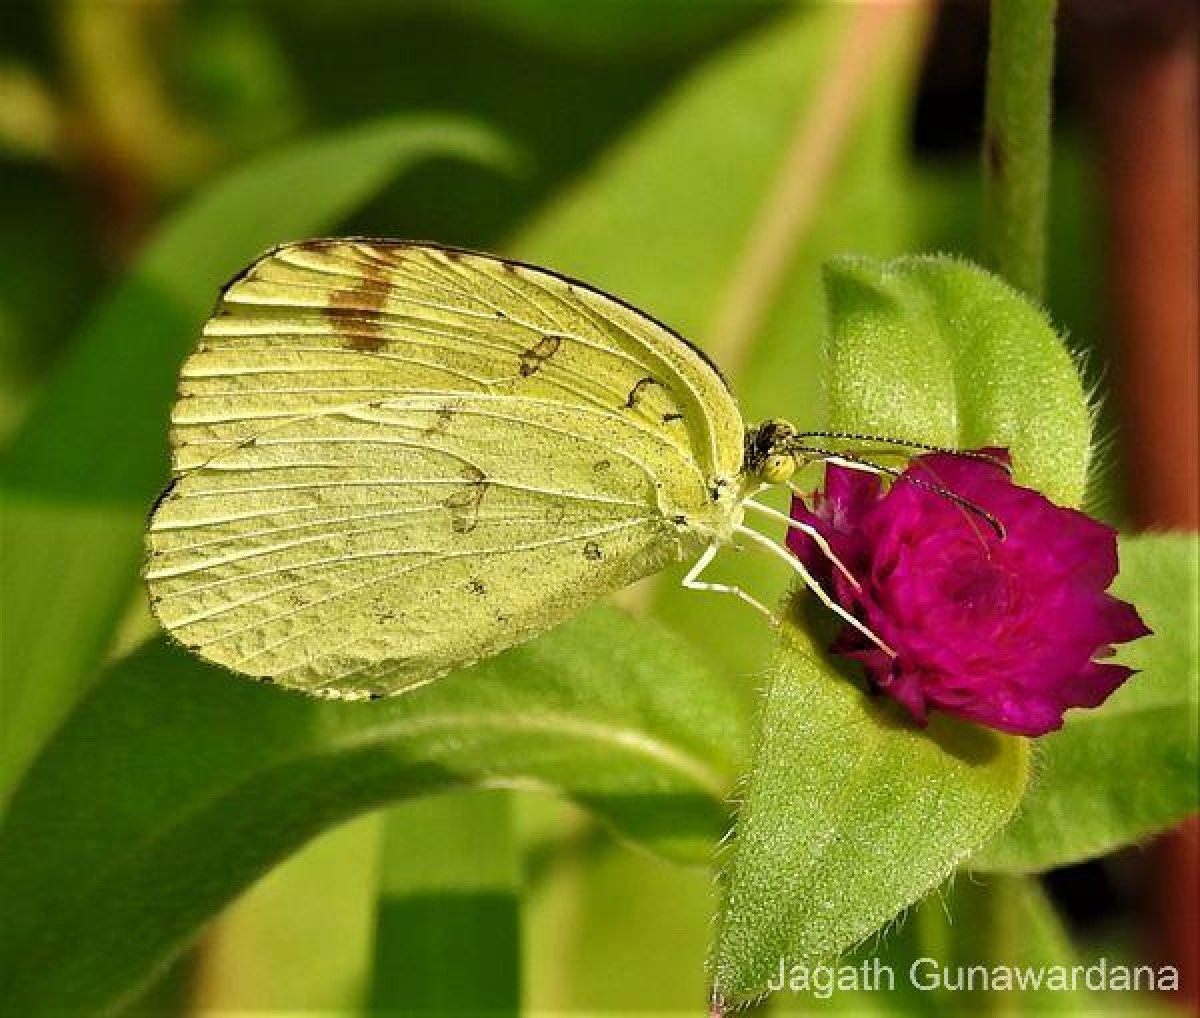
(392, 460)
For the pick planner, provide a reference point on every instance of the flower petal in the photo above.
(1004, 629)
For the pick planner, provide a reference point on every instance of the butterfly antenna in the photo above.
(857, 462)
(904, 443)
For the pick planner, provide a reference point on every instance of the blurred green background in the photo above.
(634, 144)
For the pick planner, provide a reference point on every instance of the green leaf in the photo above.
(172, 786)
(850, 814)
(1123, 771)
(611, 26)
(80, 474)
(938, 350)
(447, 935)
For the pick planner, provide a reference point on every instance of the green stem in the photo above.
(1016, 140)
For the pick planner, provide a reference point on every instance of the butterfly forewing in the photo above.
(392, 460)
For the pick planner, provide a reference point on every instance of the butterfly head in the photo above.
(770, 457)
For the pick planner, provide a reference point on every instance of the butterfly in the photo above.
(391, 460)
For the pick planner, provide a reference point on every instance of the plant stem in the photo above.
(1016, 140)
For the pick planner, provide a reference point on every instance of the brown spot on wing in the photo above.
(537, 355)
(442, 419)
(366, 342)
(355, 311)
(463, 502)
(639, 390)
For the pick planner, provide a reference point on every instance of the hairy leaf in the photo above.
(938, 350)
(850, 813)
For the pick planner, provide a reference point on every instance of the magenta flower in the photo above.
(1008, 632)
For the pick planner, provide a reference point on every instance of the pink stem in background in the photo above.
(1143, 84)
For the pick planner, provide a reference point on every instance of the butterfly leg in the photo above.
(809, 580)
(811, 532)
(691, 582)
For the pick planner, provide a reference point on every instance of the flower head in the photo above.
(1007, 630)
